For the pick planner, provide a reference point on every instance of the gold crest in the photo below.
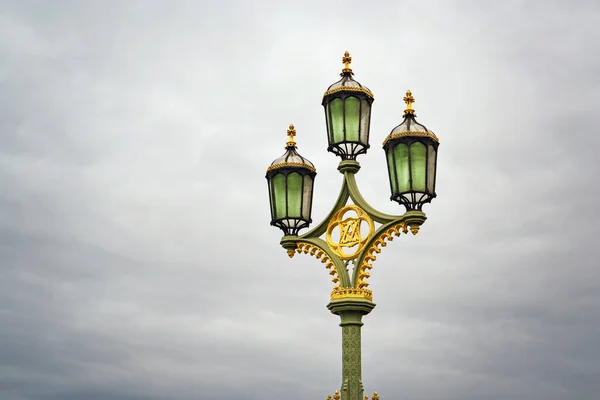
(352, 231)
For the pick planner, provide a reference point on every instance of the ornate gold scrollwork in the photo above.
(307, 248)
(350, 231)
(375, 247)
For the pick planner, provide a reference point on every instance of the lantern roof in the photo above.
(347, 83)
(291, 157)
(409, 125)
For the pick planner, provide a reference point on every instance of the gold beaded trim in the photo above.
(350, 89)
(291, 164)
(410, 133)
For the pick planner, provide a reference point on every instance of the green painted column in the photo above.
(351, 311)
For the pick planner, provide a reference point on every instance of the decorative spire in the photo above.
(337, 396)
(347, 60)
(291, 132)
(328, 397)
(409, 100)
(375, 396)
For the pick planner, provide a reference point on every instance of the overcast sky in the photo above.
(137, 260)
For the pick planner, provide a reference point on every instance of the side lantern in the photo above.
(411, 153)
(291, 180)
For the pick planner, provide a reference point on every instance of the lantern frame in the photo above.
(286, 166)
(355, 132)
(406, 191)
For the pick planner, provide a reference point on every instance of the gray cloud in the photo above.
(137, 260)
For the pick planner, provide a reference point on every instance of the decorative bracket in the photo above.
(334, 251)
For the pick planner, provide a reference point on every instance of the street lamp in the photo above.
(348, 239)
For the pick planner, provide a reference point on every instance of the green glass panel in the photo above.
(279, 193)
(418, 158)
(294, 192)
(391, 172)
(352, 118)
(336, 108)
(365, 114)
(329, 135)
(401, 157)
(431, 169)
(272, 200)
(307, 197)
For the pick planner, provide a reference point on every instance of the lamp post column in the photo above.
(351, 311)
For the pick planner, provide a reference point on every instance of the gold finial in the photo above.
(367, 397)
(375, 396)
(409, 100)
(291, 132)
(337, 396)
(328, 397)
(347, 60)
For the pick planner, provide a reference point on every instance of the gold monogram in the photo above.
(350, 232)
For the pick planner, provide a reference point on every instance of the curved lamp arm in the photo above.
(318, 248)
(339, 203)
(357, 198)
(392, 225)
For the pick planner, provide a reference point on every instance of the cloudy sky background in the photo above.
(137, 260)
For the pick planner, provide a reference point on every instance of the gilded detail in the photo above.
(367, 262)
(291, 133)
(344, 293)
(319, 254)
(410, 133)
(290, 164)
(337, 396)
(409, 100)
(375, 396)
(347, 60)
(351, 89)
(351, 235)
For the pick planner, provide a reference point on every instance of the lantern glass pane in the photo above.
(328, 123)
(279, 193)
(431, 169)
(272, 200)
(418, 158)
(365, 115)
(402, 167)
(391, 172)
(352, 118)
(294, 193)
(307, 197)
(337, 119)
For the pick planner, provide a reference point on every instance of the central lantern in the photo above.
(347, 106)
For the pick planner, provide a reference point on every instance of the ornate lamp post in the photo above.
(348, 236)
